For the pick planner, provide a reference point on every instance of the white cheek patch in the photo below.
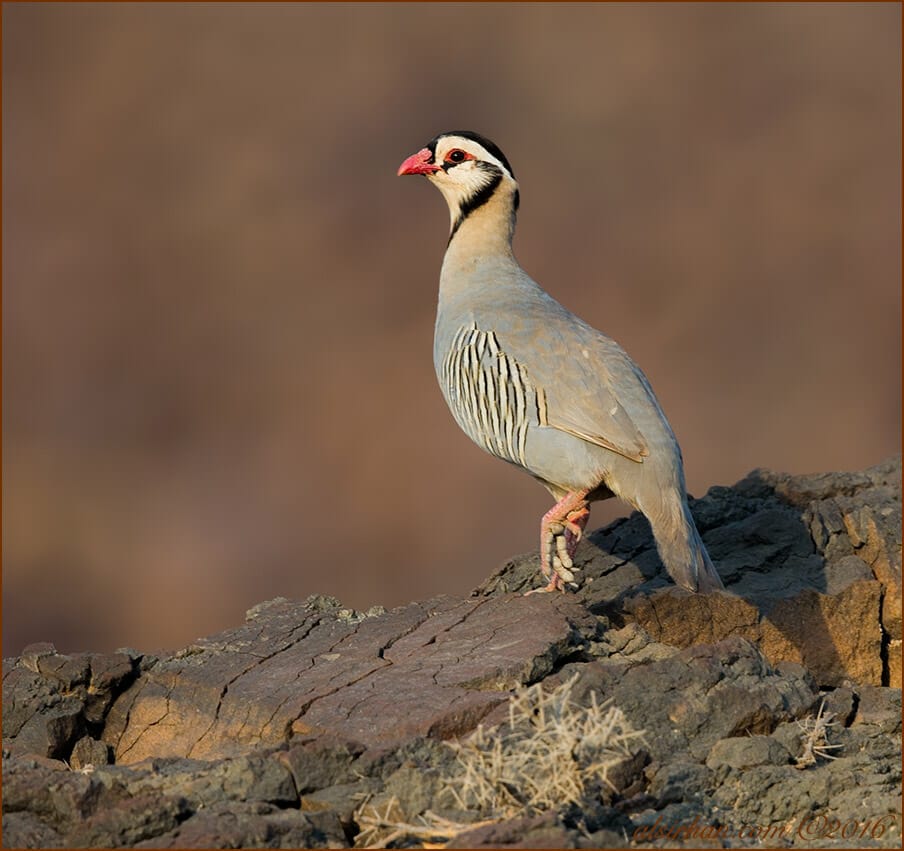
(472, 178)
(462, 182)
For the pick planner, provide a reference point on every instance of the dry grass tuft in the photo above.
(552, 753)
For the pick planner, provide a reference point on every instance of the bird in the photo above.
(531, 383)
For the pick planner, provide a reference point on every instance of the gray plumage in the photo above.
(534, 385)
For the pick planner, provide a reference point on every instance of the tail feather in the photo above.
(684, 554)
(708, 578)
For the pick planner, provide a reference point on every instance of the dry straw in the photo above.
(552, 753)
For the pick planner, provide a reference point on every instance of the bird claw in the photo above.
(558, 566)
(561, 535)
(557, 581)
(563, 558)
(555, 557)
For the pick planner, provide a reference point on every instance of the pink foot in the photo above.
(560, 530)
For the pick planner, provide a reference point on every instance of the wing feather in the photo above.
(575, 370)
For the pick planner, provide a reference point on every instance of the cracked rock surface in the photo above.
(282, 731)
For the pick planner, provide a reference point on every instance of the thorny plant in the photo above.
(552, 753)
(815, 737)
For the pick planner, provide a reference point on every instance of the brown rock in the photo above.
(838, 638)
(747, 751)
(50, 699)
(434, 668)
(314, 767)
(275, 733)
(536, 832)
(89, 752)
(704, 693)
(239, 825)
(127, 824)
(27, 830)
(812, 566)
(53, 731)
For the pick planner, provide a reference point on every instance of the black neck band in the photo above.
(477, 200)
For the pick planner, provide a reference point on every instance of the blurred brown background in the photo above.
(218, 298)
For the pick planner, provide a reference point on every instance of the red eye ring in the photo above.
(457, 155)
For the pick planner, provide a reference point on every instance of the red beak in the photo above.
(419, 163)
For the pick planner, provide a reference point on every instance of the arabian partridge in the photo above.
(533, 384)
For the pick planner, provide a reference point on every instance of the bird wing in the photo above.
(583, 379)
(614, 430)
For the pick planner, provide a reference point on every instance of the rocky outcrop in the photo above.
(813, 564)
(769, 706)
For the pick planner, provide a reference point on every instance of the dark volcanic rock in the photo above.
(703, 694)
(295, 671)
(748, 751)
(536, 832)
(51, 700)
(313, 725)
(811, 564)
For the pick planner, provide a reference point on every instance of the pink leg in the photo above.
(575, 523)
(560, 530)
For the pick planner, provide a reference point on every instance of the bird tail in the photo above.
(683, 552)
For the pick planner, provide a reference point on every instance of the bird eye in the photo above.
(456, 156)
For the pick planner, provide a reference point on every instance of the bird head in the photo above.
(468, 170)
